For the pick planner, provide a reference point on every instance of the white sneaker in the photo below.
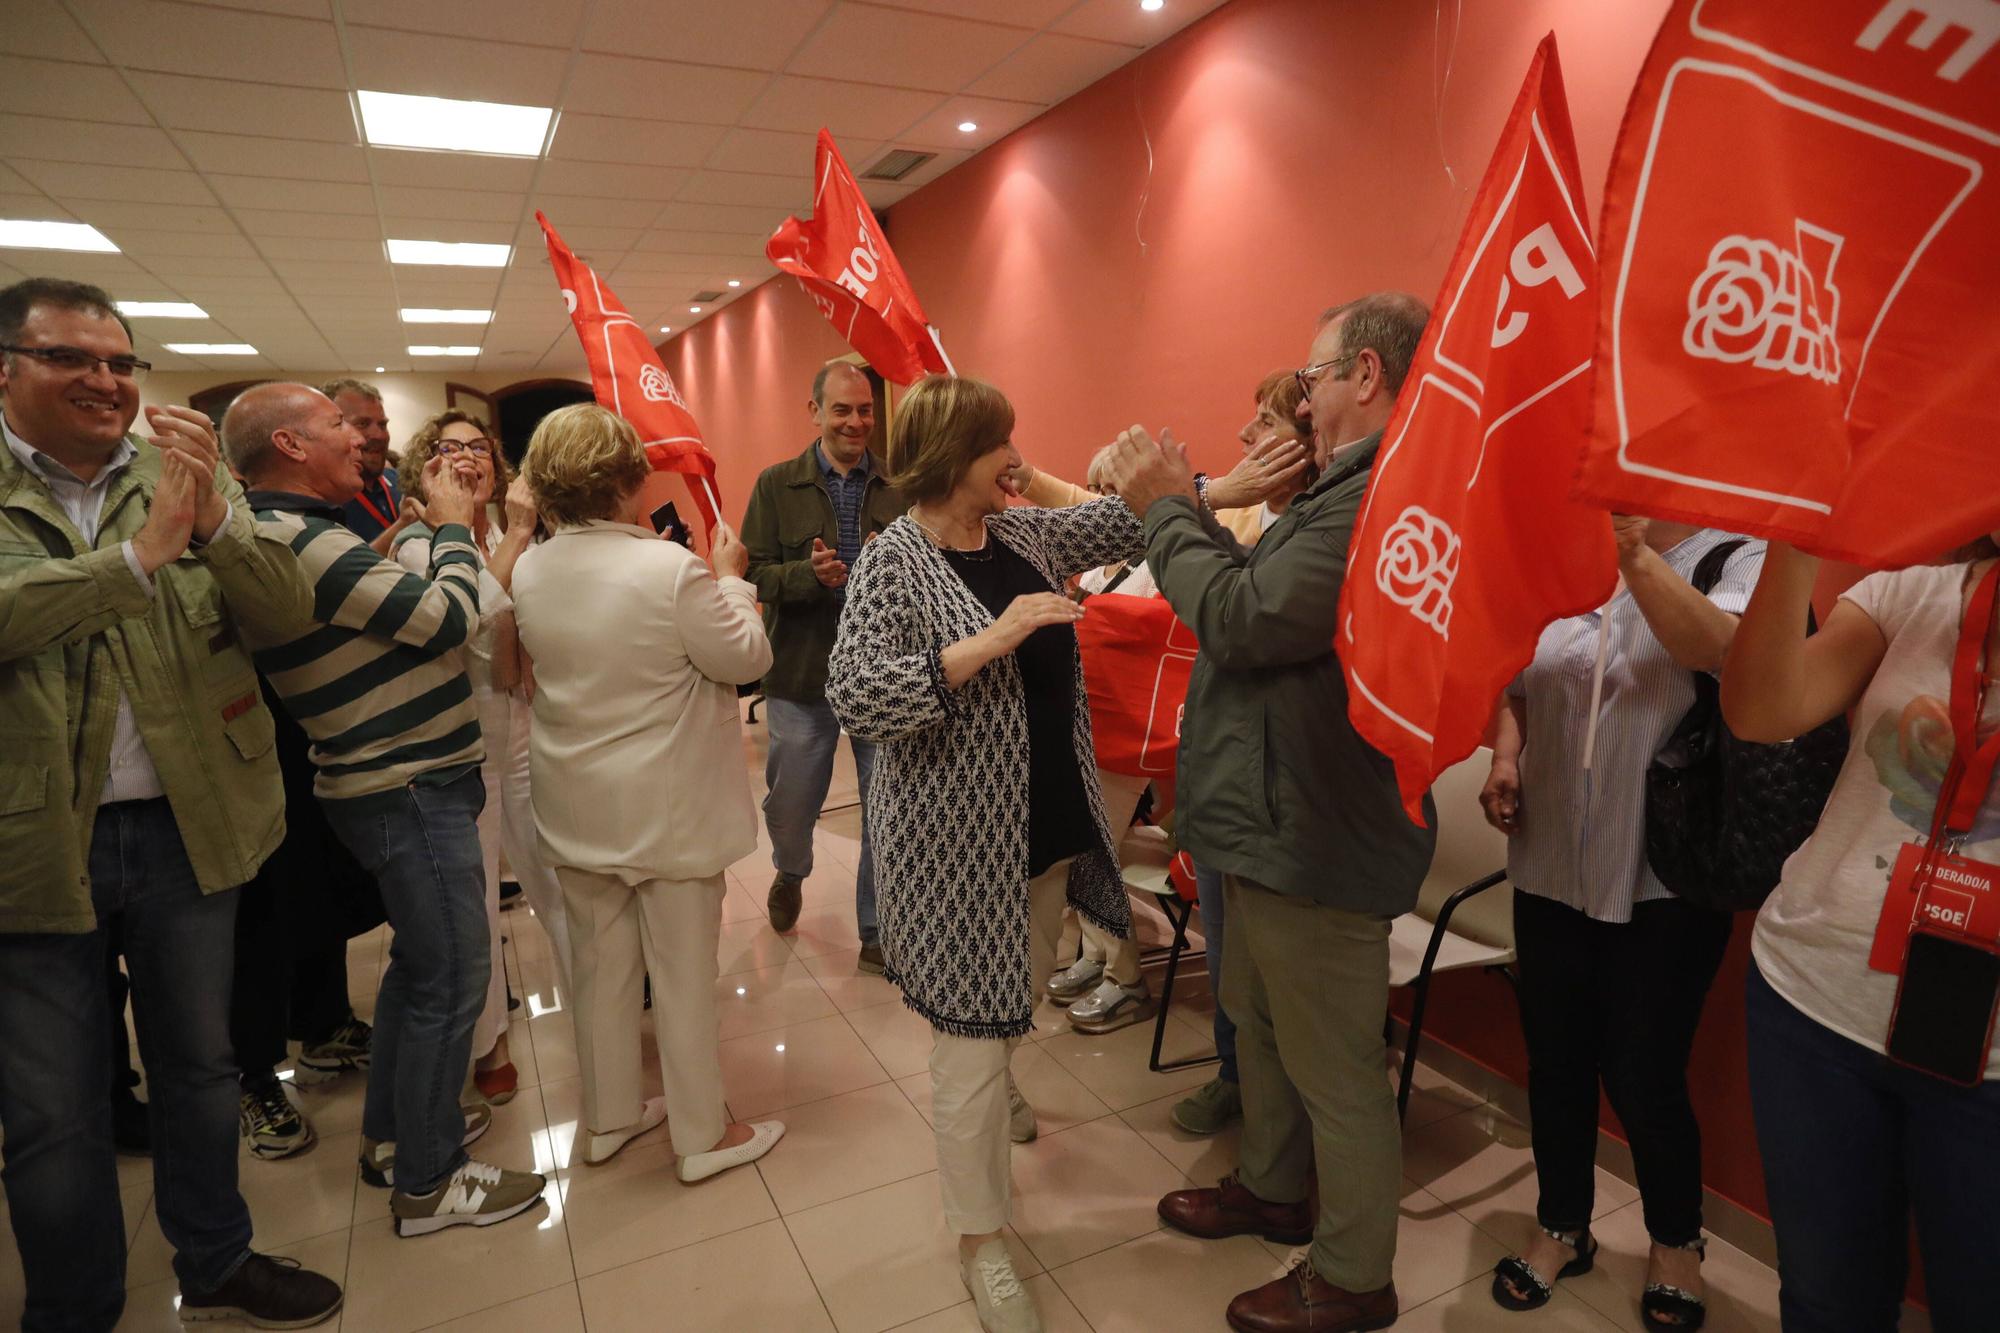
(764, 1136)
(1021, 1125)
(1003, 1304)
(1111, 1006)
(601, 1148)
(1066, 983)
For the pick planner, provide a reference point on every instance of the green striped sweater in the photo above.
(378, 679)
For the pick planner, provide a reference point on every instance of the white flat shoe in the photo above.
(764, 1136)
(601, 1148)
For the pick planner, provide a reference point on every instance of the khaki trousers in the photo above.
(1308, 986)
(969, 1083)
(618, 935)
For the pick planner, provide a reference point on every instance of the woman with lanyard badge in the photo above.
(1873, 1070)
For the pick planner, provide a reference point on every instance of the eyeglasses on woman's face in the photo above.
(480, 447)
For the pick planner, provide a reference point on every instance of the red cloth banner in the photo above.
(1136, 661)
(626, 373)
(1467, 545)
(1800, 332)
(844, 263)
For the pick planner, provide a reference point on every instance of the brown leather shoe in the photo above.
(1231, 1210)
(784, 903)
(1304, 1302)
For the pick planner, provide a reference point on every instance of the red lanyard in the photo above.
(1970, 775)
(384, 519)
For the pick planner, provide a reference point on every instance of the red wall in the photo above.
(1298, 159)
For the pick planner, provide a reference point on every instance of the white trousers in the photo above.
(619, 934)
(969, 1106)
(508, 823)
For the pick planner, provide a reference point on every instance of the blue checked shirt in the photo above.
(847, 493)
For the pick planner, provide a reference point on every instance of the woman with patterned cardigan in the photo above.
(957, 656)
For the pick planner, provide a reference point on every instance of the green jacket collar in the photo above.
(1348, 468)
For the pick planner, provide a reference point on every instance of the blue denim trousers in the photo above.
(55, 1032)
(797, 771)
(421, 842)
(1208, 885)
(1853, 1146)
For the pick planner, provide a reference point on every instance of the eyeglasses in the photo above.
(1311, 374)
(76, 361)
(479, 448)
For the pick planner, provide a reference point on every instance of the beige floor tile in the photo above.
(1113, 1066)
(791, 1065)
(1470, 1309)
(898, 1036)
(1058, 1315)
(1742, 1293)
(1204, 1160)
(883, 1257)
(1479, 1163)
(1087, 1189)
(397, 1284)
(847, 987)
(1437, 1251)
(825, 929)
(1165, 1280)
(290, 1199)
(749, 945)
(554, 1039)
(771, 997)
(740, 904)
(845, 1145)
(154, 1307)
(747, 1280)
(1433, 1097)
(557, 1310)
(335, 1106)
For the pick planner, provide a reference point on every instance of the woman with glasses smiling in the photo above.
(502, 687)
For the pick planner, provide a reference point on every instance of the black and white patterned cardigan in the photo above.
(948, 806)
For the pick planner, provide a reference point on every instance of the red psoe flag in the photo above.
(1468, 544)
(844, 263)
(1800, 335)
(1137, 660)
(626, 373)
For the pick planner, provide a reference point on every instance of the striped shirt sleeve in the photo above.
(356, 589)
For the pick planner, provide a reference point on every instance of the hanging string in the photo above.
(1146, 194)
(1443, 82)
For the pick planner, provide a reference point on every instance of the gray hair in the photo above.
(258, 413)
(335, 388)
(1389, 323)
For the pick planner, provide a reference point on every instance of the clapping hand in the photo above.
(184, 431)
(827, 565)
(170, 519)
(450, 491)
(1142, 471)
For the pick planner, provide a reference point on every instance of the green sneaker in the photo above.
(1210, 1108)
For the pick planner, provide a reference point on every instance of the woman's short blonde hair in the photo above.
(943, 425)
(582, 463)
(422, 447)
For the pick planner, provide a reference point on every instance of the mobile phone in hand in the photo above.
(667, 522)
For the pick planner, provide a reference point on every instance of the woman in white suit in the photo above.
(641, 794)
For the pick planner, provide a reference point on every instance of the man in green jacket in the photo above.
(804, 529)
(138, 788)
(1302, 818)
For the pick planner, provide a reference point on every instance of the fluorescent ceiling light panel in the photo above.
(433, 350)
(462, 254)
(425, 315)
(22, 234)
(398, 120)
(161, 310)
(213, 349)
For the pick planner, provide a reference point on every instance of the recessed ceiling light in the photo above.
(1152, 6)
(426, 315)
(381, 370)
(666, 328)
(161, 310)
(466, 254)
(398, 120)
(694, 310)
(428, 349)
(21, 234)
(967, 126)
(736, 282)
(213, 349)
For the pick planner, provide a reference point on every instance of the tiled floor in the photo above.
(839, 1228)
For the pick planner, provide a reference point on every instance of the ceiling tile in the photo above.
(887, 46)
(1020, 13)
(617, 86)
(82, 141)
(450, 205)
(41, 28)
(611, 181)
(109, 216)
(531, 22)
(181, 245)
(263, 222)
(996, 120)
(185, 268)
(486, 231)
(859, 109)
(749, 34)
(1123, 21)
(583, 227)
(71, 182)
(322, 247)
(307, 9)
(781, 153)
(721, 217)
(394, 62)
(587, 138)
(197, 39)
(13, 182)
(33, 208)
(298, 159)
(450, 171)
(1051, 68)
(181, 102)
(932, 169)
(728, 187)
(884, 194)
(87, 92)
(322, 196)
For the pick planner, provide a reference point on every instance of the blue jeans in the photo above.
(1208, 884)
(421, 843)
(1852, 1146)
(797, 771)
(55, 1026)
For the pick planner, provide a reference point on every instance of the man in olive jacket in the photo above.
(804, 528)
(138, 788)
(1302, 818)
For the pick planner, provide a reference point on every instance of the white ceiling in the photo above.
(216, 144)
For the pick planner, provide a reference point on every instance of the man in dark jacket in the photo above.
(1302, 817)
(804, 528)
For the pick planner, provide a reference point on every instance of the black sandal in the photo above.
(1670, 1309)
(1514, 1270)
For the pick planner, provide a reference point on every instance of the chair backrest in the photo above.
(1468, 849)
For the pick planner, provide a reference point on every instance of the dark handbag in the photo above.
(1722, 814)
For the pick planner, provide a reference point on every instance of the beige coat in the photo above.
(637, 755)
